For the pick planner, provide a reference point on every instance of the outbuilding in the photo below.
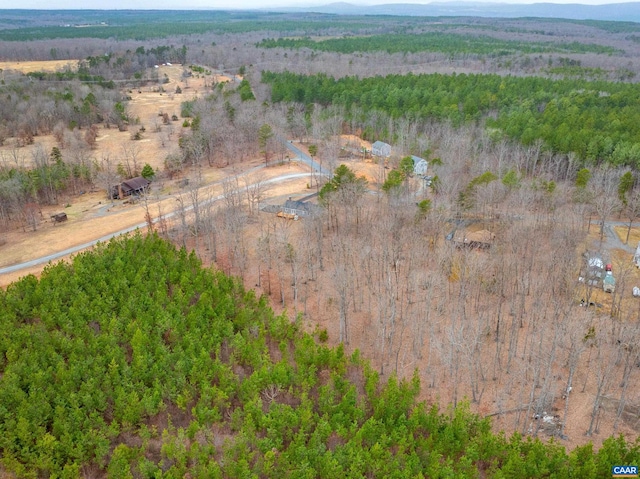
(382, 149)
(59, 218)
(420, 166)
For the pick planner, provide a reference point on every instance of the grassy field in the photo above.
(40, 66)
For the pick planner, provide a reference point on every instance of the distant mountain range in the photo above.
(616, 11)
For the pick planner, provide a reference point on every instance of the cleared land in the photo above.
(40, 66)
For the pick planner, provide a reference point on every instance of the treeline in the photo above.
(131, 64)
(23, 190)
(609, 26)
(596, 121)
(29, 109)
(146, 31)
(133, 360)
(69, 76)
(434, 42)
(224, 128)
(77, 98)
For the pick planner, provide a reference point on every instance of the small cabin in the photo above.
(133, 187)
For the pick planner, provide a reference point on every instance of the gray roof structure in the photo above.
(300, 208)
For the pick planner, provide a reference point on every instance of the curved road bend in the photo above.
(102, 239)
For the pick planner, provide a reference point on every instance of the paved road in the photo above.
(304, 158)
(102, 239)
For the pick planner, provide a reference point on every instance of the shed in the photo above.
(420, 166)
(380, 148)
(609, 283)
(59, 218)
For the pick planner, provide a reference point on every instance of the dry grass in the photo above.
(626, 274)
(145, 106)
(91, 216)
(40, 66)
(634, 236)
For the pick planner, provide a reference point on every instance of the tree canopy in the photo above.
(433, 42)
(136, 361)
(598, 121)
(343, 178)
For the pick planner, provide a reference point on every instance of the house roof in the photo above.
(595, 262)
(380, 144)
(420, 165)
(136, 183)
(301, 206)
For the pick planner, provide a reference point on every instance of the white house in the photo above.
(380, 148)
(420, 166)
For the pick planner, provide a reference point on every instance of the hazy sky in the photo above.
(238, 4)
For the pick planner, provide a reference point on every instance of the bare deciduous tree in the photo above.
(255, 190)
(131, 157)
(604, 183)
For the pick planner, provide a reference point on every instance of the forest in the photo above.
(365, 339)
(433, 42)
(594, 120)
(135, 360)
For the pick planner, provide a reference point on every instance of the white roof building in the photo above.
(380, 148)
(420, 166)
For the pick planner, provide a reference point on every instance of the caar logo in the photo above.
(624, 471)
